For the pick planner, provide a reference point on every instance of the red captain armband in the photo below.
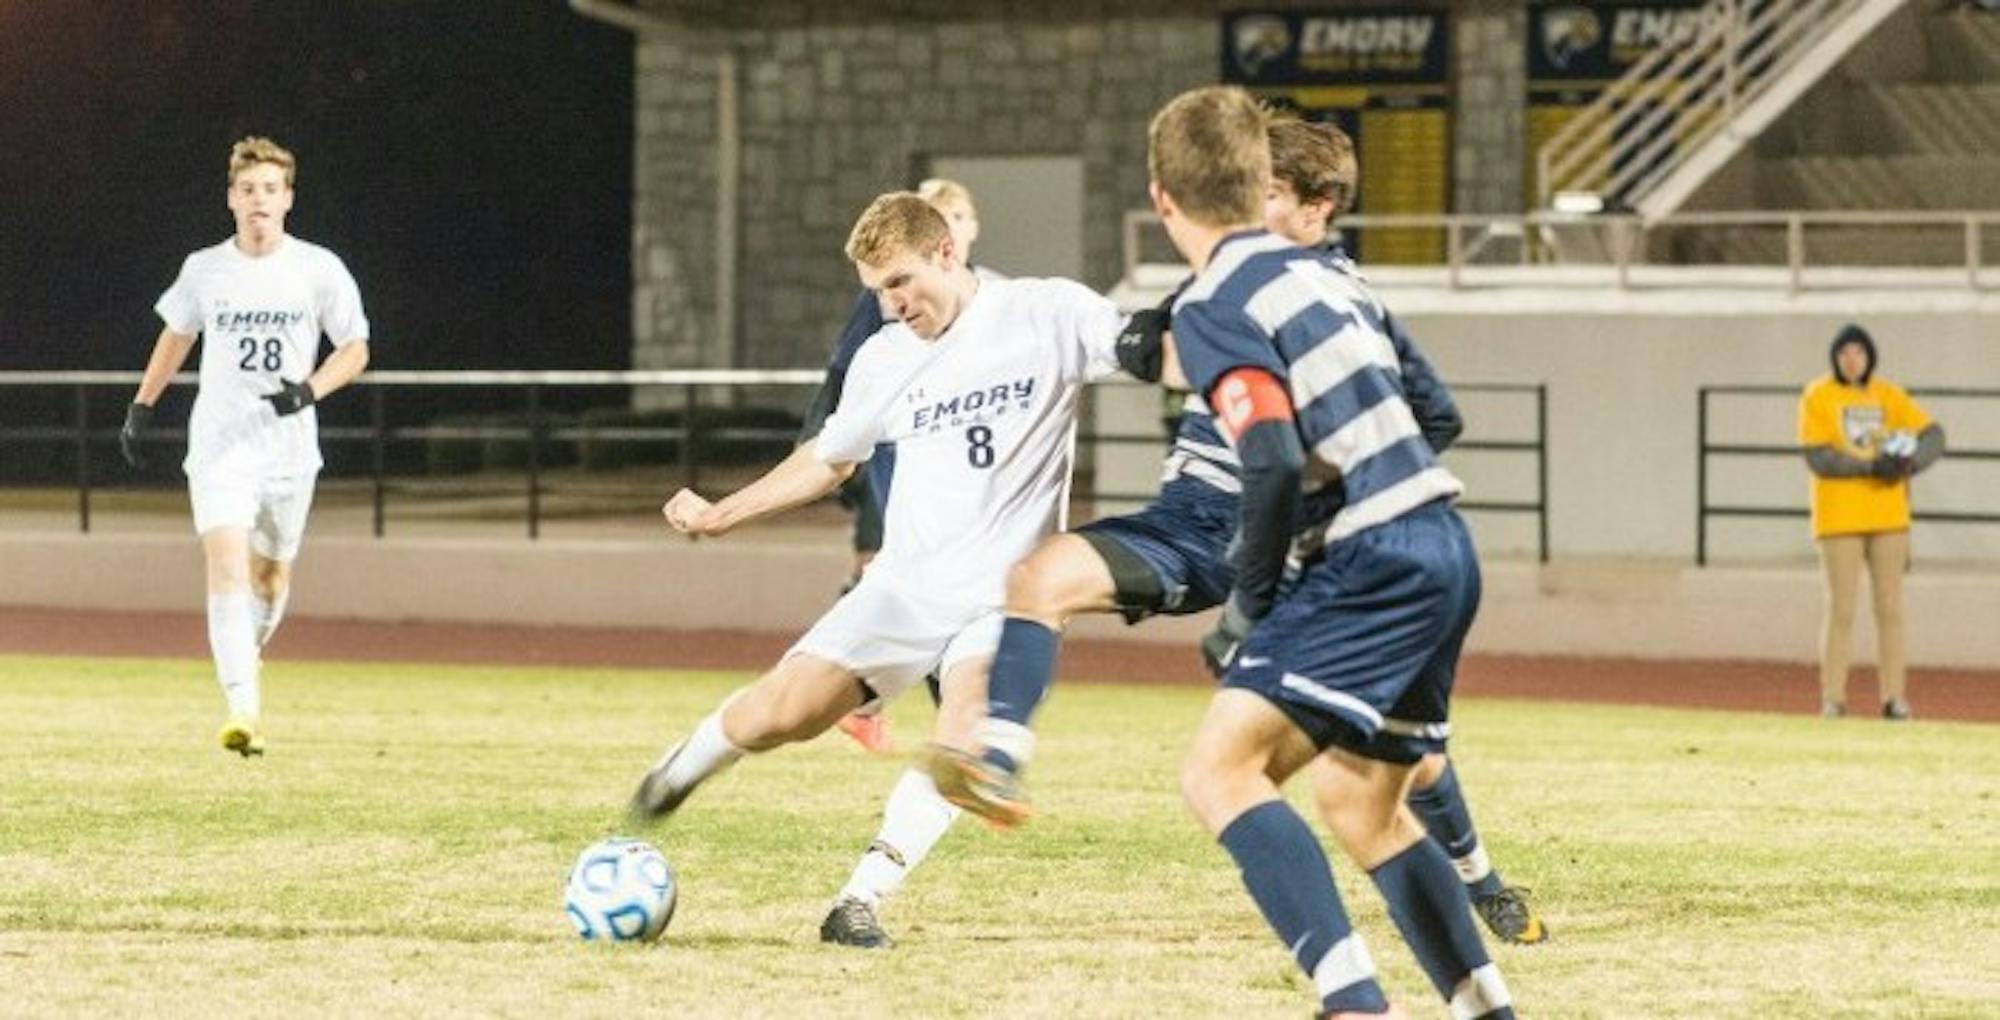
(1247, 396)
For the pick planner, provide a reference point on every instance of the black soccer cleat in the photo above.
(1896, 710)
(852, 922)
(655, 798)
(1509, 916)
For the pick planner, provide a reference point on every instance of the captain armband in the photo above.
(1247, 396)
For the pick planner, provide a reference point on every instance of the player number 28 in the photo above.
(273, 351)
(980, 448)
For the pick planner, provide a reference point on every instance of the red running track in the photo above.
(1968, 695)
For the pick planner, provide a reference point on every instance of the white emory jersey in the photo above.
(983, 419)
(260, 319)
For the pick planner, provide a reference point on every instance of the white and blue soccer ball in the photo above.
(621, 890)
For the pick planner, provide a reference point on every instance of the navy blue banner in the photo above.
(1570, 41)
(1376, 47)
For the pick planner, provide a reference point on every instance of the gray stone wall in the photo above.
(837, 106)
(1489, 125)
(835, 114)
(673, 205)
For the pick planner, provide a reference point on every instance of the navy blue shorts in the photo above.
(1172, 557)
(1362, 646)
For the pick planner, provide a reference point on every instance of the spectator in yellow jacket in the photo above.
(1863, 438)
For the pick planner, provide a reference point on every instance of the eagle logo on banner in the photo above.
(1258, 40)
(1568, 31)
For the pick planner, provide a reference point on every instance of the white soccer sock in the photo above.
(1010, 738)
(1473, 867)
(705, 752)
(232, 639)
(267, 615)
(914, 820)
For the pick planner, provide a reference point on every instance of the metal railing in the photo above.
(535, 431)
(1538, 446)
(1642, 126)
(1620, 242)
(1705, 509)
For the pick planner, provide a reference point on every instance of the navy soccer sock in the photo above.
(1446, 817)
(1430, 907)
(1288, 875)
(1023, 667)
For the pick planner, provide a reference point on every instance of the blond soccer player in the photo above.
(976, 384)
(868, 727)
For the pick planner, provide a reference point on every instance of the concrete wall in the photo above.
(1635, 610)
(1623, 378)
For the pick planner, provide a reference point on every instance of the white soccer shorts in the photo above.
(273, 510)
(891, 638)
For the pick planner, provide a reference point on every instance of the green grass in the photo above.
(401, 849)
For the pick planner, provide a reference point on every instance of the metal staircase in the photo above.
(1678, 115)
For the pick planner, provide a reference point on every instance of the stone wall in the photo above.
(838, 105)
(1489, 136)
(673, 204)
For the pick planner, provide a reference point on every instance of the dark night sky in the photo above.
(470, 160)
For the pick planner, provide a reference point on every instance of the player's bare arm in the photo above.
(170, 352)
(340, 368)
(1171, 375)
(797, 480)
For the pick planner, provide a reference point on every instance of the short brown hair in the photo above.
(257, 149)
(1316, 159)
(1207, 149)
(897, 222)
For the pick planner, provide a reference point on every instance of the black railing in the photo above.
(1537, 445)
(535, 432)
(1704, 509)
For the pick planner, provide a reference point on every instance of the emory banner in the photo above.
(1576, 50)
(1383, 76)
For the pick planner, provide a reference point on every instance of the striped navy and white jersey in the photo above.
(1200, 455)
(1200, 459)
(1264, 303)
(1200, 464)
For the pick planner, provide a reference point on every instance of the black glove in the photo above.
(1139, 345)
(293, 398)
(1890, 469)
(138, 418)
(1219, 648)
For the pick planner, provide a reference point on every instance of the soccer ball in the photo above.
(621, 890)
(1899, 444)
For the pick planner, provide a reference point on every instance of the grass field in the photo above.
(401, 849)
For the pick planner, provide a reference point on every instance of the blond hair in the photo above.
(1316, 159)
(939, 190)
(257, 149)
(895, 223)
(1207, 149)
